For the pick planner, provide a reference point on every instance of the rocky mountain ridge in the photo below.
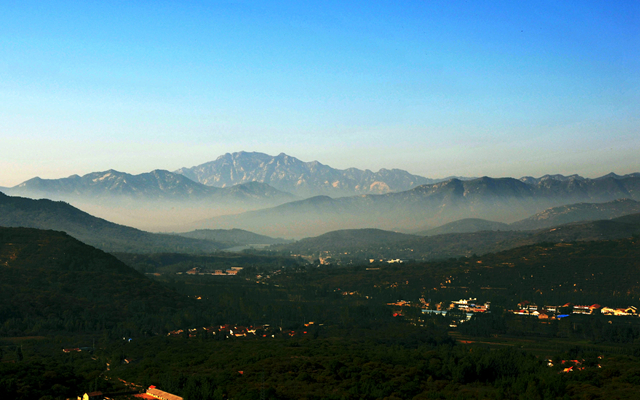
(304, 179)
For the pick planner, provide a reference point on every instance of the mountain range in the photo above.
(503, 200)
(152, 201)
(270, 195)
(157, 185)
(558, 177)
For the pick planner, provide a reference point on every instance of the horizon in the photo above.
(271, 155)
(438, 90)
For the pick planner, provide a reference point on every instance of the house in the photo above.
(159, 394)
(92, 396)
(436, 312)
(581, 309)
(76, 349)
(238, 331)
(544, 315)
(527, 308)
(619, 311)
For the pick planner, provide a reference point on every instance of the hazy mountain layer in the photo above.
(466, 225)
(231, 237)
(60, 216)
(347, 239)
(546, 218)
(304, 179)
(578, 212)
(158, 200)
(503, 200)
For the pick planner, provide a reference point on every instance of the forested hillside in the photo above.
(50, 282)
(362, 246)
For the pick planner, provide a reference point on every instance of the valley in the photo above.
(535, 301)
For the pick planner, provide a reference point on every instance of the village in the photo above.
(233, 271)
(471, 307)
(229, 331)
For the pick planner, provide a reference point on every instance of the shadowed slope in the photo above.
(47, 214)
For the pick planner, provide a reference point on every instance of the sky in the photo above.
(438, 88)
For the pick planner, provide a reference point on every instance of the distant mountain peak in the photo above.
(305, 179)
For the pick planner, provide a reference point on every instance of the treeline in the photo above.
(360, 246)
(37, 369)
(391, 361)
(592, 328)
(603, 272)
(172, 263)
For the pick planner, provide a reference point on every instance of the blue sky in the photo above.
(438, 88)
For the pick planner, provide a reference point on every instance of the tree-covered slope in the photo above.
(348, 239)
(455, 244)
(52, 282)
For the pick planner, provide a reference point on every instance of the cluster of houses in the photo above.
(469, 307)
(238, 331)
(558, 312)
(391, 261)
(571, 365)
(152, 393)
(76, 349)
(219, 272)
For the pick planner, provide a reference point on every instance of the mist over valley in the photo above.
(284, 197)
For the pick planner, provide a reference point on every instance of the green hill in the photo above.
(581, 272)
(97, 232)
(390, 245)
(51, 282)
(605, 272)
(347, 240)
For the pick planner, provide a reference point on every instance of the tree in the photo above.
(19, 355)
